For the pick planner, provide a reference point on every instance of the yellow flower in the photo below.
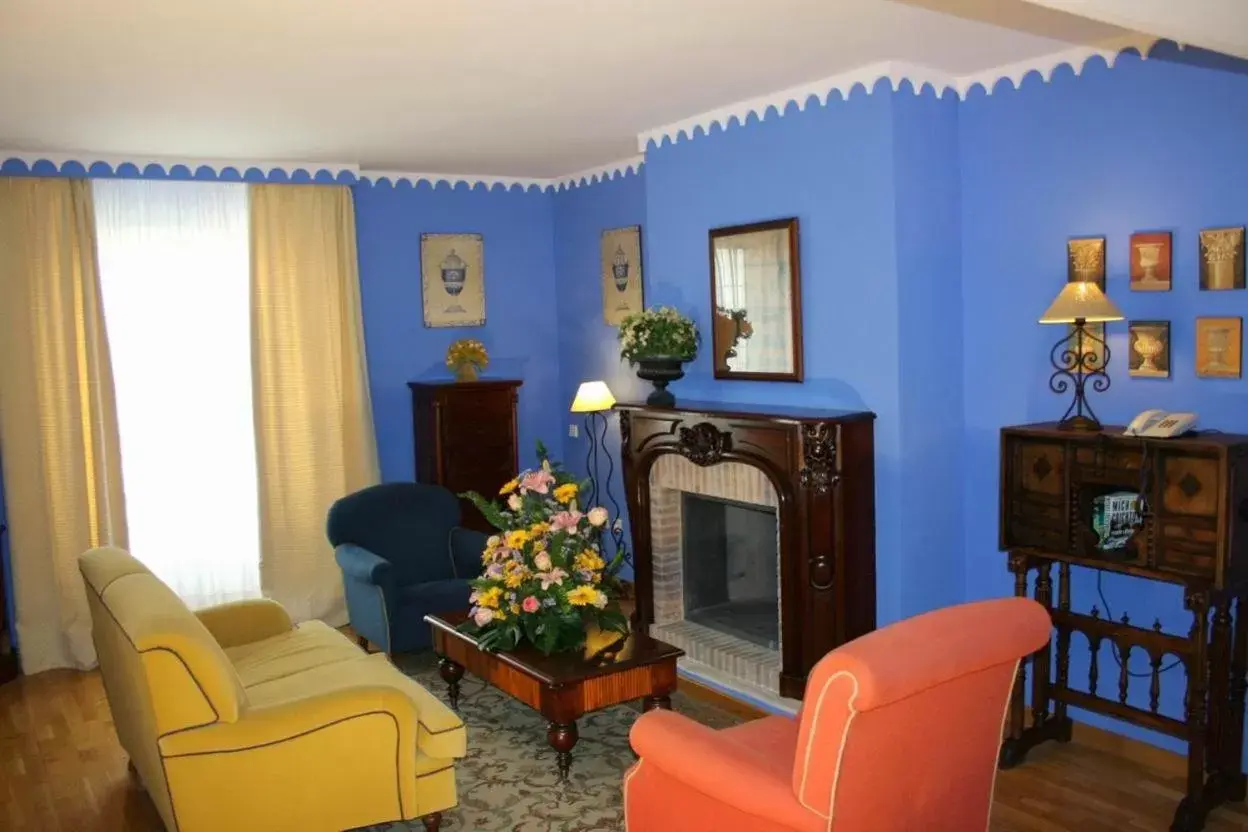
(516, 538)
(589, 560)
(510, 486)
(514, 579)
(489, 597)
(515, 609)
(566, 493)
(582, 596)
(539, 529)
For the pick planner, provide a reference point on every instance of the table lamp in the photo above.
(1081, 356)
(594, 399)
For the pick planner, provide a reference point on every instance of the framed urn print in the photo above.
(1085, 260)
(452, 268)
(756, 302)
(1149, 342)
(621, 274)
(1219, 347)
(1150, 262)
(1222, 258)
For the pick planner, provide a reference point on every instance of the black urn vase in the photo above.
(661, 371)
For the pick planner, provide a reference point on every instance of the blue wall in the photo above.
(1147, 145)
(521, 309)
(928, 251)
(587, 344)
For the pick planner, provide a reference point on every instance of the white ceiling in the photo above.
(1220, 25)
(527, 88)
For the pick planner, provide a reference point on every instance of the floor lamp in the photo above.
(594, 399)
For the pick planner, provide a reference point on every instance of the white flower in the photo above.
(514, 503)
(597, 516)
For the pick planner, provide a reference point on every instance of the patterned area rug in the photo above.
(508, 780)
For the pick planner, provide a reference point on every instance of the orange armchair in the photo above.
(899, 731)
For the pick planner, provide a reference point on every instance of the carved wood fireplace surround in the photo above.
(821, 464)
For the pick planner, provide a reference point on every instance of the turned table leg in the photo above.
(657, 702)
(562, 737)
(451, 673)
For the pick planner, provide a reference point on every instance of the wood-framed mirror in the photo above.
(756, 301)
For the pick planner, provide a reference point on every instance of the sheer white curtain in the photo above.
(175, 273)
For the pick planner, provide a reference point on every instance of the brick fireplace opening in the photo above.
(715, 543)
(730, 569)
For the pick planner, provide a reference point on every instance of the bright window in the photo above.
(175, 272)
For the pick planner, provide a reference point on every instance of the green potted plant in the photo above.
(658, 342)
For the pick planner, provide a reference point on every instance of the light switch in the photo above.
(574, 431)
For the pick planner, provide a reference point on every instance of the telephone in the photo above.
(1161, 425)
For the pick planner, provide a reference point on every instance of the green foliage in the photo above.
(658, 332)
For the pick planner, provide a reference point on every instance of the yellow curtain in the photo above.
(314, 421)
(58, 416)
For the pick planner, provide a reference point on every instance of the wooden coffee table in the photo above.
(565, 686)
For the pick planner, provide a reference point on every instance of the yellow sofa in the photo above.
(237, 720)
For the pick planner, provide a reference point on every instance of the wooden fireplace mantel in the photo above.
(821, 464)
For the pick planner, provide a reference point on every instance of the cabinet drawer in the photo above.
(1039, 467)
(1188, 546)
(1035, 524)
(1190, 485)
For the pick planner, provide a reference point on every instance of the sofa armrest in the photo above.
(242, 622)
(467, 545)
(362, 565)
(705, 760)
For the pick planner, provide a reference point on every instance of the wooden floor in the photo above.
(61, 770)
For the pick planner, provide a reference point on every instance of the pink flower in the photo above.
(597, 516)
(538, 481)
(530, 604)
(514, 502)
(482, 616)
(554, 576)
(494, 571)
(542, 562)
(565, 521)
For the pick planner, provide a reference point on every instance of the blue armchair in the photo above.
(403, 555)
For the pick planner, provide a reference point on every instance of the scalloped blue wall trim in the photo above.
(919, 80)
(17, 163)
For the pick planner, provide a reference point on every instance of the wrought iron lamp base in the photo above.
(1079, 358)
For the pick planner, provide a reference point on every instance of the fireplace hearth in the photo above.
(753, 535)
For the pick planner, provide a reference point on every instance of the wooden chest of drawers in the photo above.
(466, 437)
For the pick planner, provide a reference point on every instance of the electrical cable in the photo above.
(1142, 510)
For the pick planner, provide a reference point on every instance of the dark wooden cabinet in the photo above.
(822, 466)
(1173, 510)
(466, 437)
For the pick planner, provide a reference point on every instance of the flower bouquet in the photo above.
(545, 579)
(467, 357)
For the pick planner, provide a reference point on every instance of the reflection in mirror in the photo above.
(757, 306)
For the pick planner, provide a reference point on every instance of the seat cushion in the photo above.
(312, 644)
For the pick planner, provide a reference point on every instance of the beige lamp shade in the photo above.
(592, 397)
(1081, 300)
